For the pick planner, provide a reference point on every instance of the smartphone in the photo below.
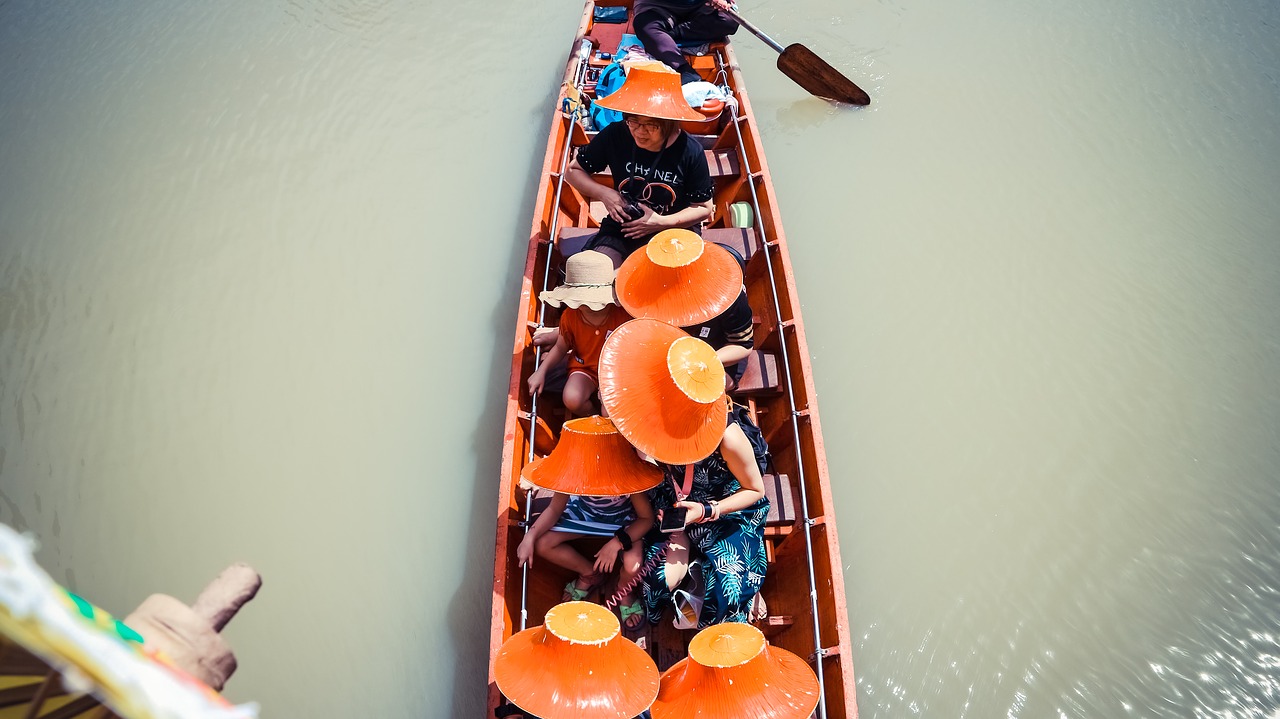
(633, 211)
(673, 519)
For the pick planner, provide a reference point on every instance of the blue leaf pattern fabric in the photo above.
(732, 548)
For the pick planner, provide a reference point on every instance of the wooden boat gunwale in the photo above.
(825, 640)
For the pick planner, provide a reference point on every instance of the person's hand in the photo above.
(615, 204)
(607, 556)
(694, 515)
(546, 336)
(536, 380)
(647, 224)
(722, 4)
(524, 552)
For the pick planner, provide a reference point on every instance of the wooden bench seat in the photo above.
(606, 36)
(572, 239)
(541, 498)
(761, 375)
(782, 500)
(721, 163)
(743, 241)
(777, 487)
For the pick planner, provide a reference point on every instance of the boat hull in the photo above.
(804, 588)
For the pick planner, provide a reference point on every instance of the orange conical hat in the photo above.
(731, 672)
(652, 90)
(591, 458)
(664, 391)
(679, 279)
(577, 664)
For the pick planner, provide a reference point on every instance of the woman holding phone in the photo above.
(711, 456)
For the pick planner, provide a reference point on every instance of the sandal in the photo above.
(575, 593)
(633, 615)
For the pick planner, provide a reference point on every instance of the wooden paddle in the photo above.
(808, 70)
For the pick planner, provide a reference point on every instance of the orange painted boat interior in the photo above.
(795, 438)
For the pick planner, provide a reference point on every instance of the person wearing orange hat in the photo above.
(664, 391)
(726, 509)
(695, 285)
(624, 519)
(663, 25)
(600, 486)
(660, 174)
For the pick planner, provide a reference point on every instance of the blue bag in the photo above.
(611, 78)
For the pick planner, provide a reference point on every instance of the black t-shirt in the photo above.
(668, 180)
(731, 327)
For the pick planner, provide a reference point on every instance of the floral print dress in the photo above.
(730, 549)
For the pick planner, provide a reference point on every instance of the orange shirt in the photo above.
(585, 340)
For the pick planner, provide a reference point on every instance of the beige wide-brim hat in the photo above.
(588, 281)
(651, 90)
(679, 279)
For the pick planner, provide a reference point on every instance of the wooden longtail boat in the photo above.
(804, 588)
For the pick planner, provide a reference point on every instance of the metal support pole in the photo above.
(582, 55)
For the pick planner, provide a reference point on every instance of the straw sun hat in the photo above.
(731, 672)
(592, 459)
(664, 391)
(679, 279)
(588, 281)
(652, 90)
(577, 664)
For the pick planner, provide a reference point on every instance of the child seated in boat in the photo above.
(625, 520)
(591, 314)
(599, 486)
(656, 284)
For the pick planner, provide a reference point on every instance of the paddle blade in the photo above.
(814, 74)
